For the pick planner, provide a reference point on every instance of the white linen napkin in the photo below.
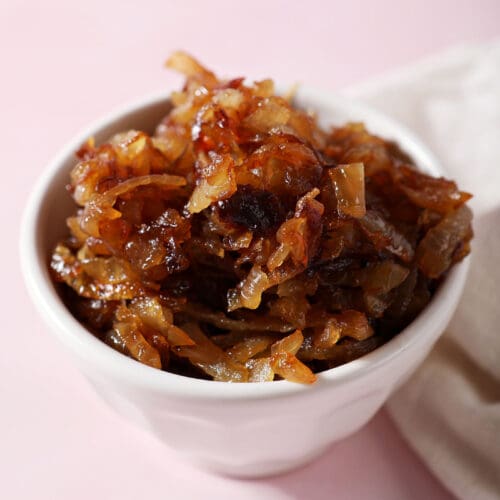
(449, 411)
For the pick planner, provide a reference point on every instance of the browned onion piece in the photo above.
(373, 156)
(382, 277)
(101, 206)
(328, 334)
(211, 358)
(189, 66)
(127, 331)
(437, 194)
(284, 362)
(290, 344)
(384, 235)
(114, 283)
(271, 112)
(348, 323)
(286, 365)
(248, 348)
(249, 292)
(248, 324)
(160, 319)
(435, 251)
(260, 370)
(219, 184)
(339, 353)
(299, 236)
(293, 310)
(349, 183)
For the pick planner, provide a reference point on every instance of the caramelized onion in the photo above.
(349, 185)
(243, 243)
(435, 251)
(210, 358)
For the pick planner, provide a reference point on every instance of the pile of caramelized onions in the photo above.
(242, 243)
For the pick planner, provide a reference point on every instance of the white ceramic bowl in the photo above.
(247, 430)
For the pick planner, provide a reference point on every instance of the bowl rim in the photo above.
(86, 346)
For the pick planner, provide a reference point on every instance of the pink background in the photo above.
(64, 64)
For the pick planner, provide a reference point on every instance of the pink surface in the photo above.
(64, 64)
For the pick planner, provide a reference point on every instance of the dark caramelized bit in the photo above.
(253, 209)
(242, 243)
